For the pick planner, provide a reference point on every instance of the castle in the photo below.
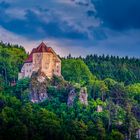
(41, 58)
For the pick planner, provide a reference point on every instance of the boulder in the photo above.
(83, 96)
(99, 108)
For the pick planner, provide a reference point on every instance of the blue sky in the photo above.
(79, 27)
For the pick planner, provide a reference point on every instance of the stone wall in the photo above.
(37, 61)
(57, 70)
(26, 71)
(46, 62)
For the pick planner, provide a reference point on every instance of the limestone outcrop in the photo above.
(38, 87)
(83, 96)
(71, 97)
(39, 84)
(99, 108)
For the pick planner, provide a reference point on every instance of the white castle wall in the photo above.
(26, 71)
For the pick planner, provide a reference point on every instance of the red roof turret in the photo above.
(40, 49)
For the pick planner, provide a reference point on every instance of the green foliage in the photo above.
(11, 60)
(1, 84)
(134, 91)
(110, 82)
(120, 69)
(53, 119)
(21, 89)
(98, 89)
(78, 129)
(75, 70)
(116, 135)
(118, 94)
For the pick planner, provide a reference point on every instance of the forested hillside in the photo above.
(11, 60)
(124, 69)
(112, 83)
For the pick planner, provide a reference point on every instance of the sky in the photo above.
(79, 27)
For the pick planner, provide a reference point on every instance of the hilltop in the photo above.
(109, 85)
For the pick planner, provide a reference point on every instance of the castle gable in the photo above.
(43, 58)
(42, 48)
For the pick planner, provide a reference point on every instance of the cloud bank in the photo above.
(79, 27)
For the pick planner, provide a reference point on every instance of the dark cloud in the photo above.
(53, 28)
(97, 33)
(76, 24)
(119, 14)
(34, 27)
(4, 5)
(91, 13)
(24, 27)
(81, 2)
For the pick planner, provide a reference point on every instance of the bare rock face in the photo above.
(38, 87)
(99, 108)
(71, 97)
(83, 96)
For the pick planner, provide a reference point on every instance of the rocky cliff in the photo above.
(38, 87)
(83, 96)
(71, 97)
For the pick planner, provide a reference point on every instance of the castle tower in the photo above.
(43, 58)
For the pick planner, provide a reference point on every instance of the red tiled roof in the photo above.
(41, 48)
(30, 57)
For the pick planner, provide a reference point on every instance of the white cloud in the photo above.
(62, 11)
(75, 15)
(17, 13)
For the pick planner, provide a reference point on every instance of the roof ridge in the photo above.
(40, 49)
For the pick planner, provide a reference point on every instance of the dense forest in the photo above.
(112, 83)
